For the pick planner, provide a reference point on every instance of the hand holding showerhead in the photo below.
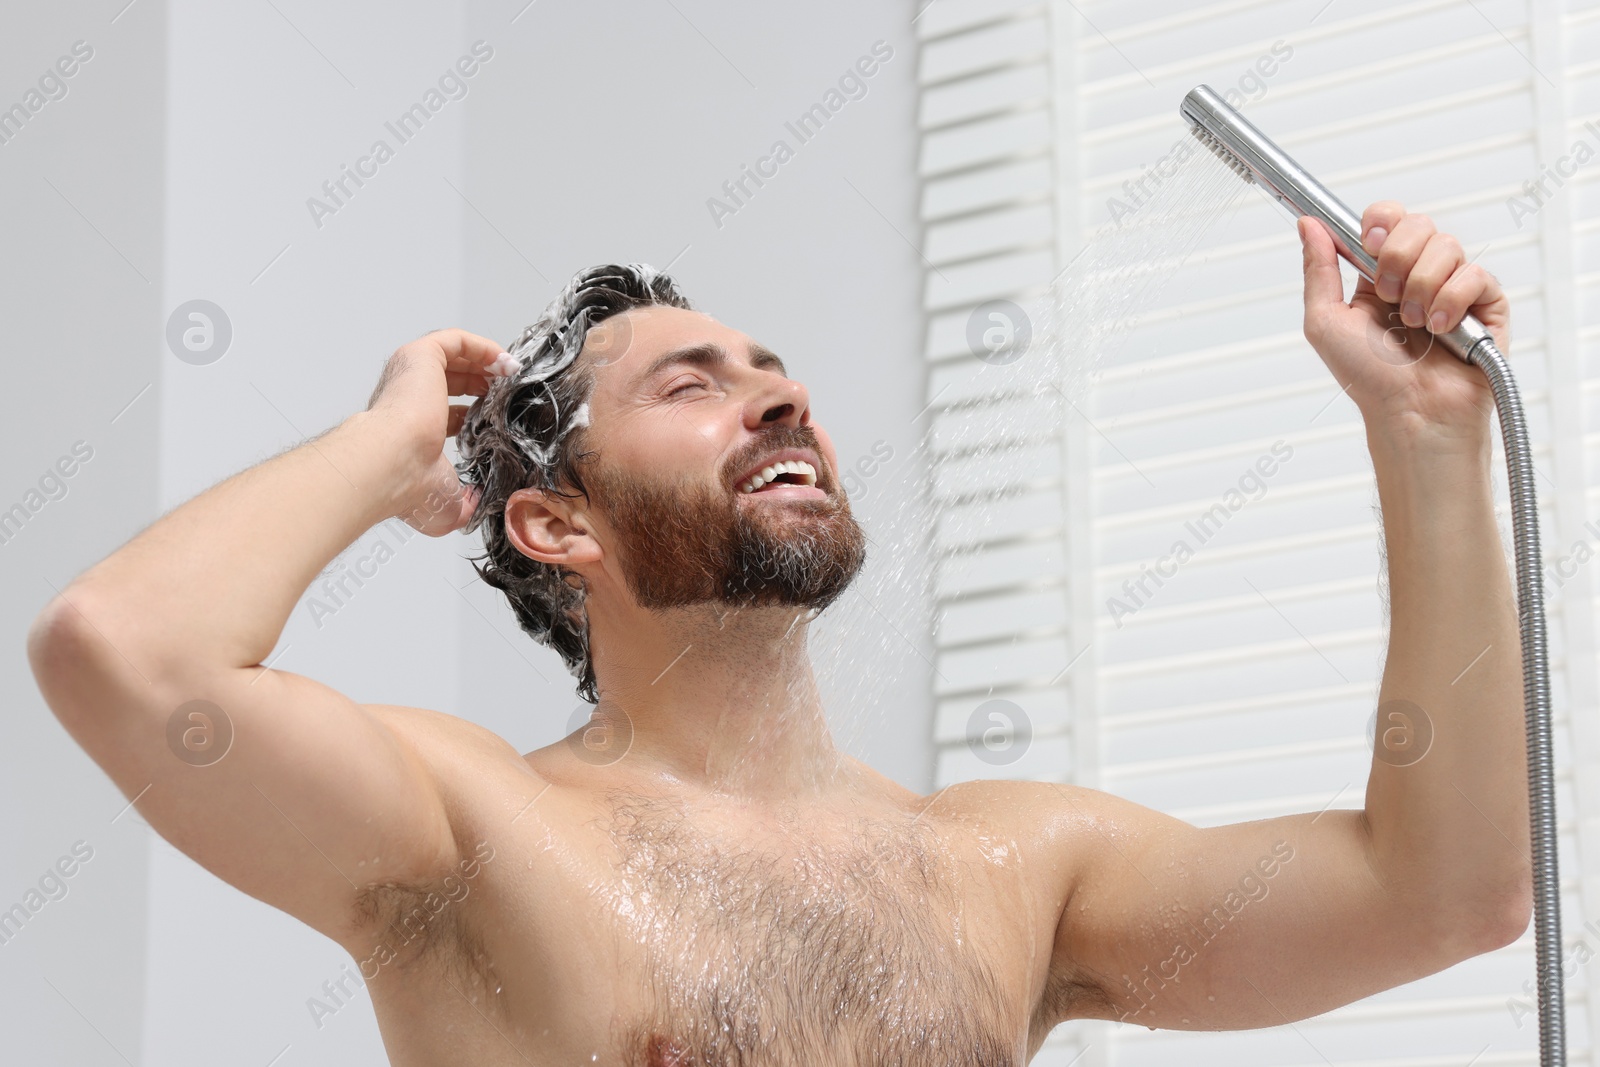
(1429, 273)
(1254, 157)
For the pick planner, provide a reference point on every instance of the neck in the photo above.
(717, 697)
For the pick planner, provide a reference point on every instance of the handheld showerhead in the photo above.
(1252, 155)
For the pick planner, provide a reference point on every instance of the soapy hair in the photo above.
(528, 431)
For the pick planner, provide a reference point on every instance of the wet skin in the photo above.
(620, 914)
(732, 883)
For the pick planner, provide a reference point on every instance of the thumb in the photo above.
(1324, 286)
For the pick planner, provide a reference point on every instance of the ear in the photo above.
(544, 526)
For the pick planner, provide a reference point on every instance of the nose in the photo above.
(778, 399)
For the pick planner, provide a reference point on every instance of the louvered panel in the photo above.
(940, 22)
(1013, 662)
(1239, 682)
(1254, 625)
(988, 232)
(1573, 273)
(997, 518)
(959, 431)
(1009, 43)
(960, 764)
(964, 285)
(1047, 710)
(974, 621)
(991, 140)
(985, 188)
(1000, 568)
(1023, 86)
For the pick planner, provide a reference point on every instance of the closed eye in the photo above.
(686, 385)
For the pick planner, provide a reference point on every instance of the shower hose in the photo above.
(1256, 159)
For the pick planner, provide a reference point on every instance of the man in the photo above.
(699, 876)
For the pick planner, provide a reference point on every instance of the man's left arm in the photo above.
(1266, 922)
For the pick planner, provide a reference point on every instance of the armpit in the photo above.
(404, 926)
(1074, 993)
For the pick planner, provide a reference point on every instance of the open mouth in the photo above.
(791, 475)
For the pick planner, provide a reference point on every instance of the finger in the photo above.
(1469, 287)
(457, 511)
(458, 415)
(1439, 259)
(1399, 254)
(1378, 222)
(466, 383)
(465, 351)
(1324, 288)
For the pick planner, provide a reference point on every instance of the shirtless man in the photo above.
(699, 876)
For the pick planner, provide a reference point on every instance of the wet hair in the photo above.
(528, 432)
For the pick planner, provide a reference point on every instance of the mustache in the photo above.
(771, 440)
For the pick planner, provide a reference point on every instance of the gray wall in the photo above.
(596, 132)
(602, 131)
(80, 310)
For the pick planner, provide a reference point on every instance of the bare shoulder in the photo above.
(475, 770)
(1055, 831)
(455, 736)
(1057, 813)
(1045, 816)
(477, 774)
(1040, 810)
(1061, 832)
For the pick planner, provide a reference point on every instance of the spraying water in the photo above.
(989, 462)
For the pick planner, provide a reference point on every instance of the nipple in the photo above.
(663, 1052)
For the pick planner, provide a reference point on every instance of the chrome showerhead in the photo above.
(1254, 157)
(1220, 150)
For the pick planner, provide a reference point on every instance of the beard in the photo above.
(686, 543)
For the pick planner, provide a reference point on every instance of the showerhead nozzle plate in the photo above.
(1221, 151)
(1254, 157)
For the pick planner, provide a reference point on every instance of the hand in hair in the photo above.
(413, 398)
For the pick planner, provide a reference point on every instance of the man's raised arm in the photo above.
(154, 655)
(1266, 922)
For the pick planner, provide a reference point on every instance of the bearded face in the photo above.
(684, 542)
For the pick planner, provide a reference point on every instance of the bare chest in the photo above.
(858, 941)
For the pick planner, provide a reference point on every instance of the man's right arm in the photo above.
(316, 797)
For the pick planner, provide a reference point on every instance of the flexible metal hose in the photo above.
(1536, 701)
(1255, 158)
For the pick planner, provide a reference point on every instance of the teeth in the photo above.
(807, 472)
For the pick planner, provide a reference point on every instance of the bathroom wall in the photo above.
(187, 163)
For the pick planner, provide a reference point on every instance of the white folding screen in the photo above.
(1238, 683)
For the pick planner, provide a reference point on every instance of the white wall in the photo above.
(595, 132)
(599, 135)
(80, 309)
